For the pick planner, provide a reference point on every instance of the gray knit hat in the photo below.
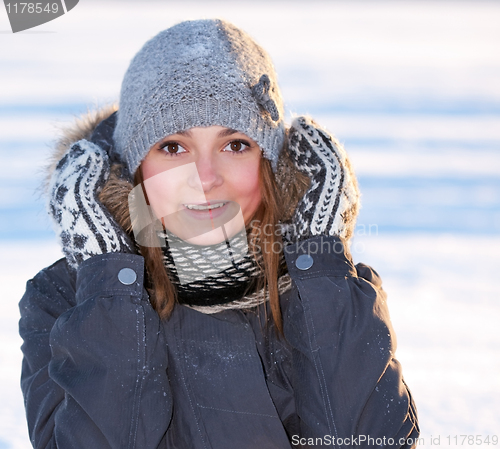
(199, 73)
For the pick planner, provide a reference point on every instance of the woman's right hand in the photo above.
(84, 226)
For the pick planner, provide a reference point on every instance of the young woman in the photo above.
(207, 298)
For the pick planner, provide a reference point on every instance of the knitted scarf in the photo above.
(218, 277)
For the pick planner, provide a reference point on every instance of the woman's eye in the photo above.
(237, 146)
(172, 148)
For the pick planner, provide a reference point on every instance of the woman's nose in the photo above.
(208, 173)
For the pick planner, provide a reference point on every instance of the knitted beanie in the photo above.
(198, 73)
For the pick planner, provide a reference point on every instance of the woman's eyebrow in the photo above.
(224, 133)
(227, 132)
(186, 133)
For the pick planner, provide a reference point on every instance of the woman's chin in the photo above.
(198, 229)
(212, 237)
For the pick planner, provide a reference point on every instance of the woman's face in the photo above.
(203, 183)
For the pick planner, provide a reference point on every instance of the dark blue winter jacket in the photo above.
(101, 370)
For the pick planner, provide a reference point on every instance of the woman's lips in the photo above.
(195, 219)
(207, 211)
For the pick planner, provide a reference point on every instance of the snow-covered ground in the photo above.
(410, 88)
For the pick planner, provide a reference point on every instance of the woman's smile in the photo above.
(206, 206)
(218, 212)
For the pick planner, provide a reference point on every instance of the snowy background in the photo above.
(413, 91)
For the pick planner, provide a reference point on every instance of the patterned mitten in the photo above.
(331, 204)
(84, 226)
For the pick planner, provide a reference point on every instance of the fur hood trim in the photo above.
(81, 128)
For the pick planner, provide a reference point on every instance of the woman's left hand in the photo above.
(330, 206)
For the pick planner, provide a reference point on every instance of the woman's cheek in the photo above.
(158, 189)
(246, 183)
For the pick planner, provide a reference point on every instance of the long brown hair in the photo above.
(280, 194)
(163, 293)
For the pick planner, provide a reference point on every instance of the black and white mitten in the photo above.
(84, 226)
(331, 204)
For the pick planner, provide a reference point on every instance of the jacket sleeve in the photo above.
(346, 381)
(94, 367)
